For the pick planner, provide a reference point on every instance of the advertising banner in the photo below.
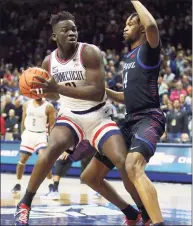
(169, 158)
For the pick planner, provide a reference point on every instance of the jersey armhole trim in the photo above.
(145, 66)
(81, 50)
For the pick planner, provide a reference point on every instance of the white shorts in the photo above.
(32, 142)
(96, 126)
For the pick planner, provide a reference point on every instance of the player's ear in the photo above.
(54, 36)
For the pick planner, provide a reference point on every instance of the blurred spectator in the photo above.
(165, 102)
(175, 94)
(188, 99)
(8, 106)
(169, 76)
(163, 87)
(177, 122)
(2, 128)
(110, 80)
(180, 62)
(18, 113)
(11, 125)
(185, 80)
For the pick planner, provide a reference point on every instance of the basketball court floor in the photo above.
(79, 205)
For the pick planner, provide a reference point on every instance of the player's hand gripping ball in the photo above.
(28, 81)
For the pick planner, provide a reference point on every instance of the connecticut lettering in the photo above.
(68, 76)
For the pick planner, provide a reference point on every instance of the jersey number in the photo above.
(125, 80)
(73, 84)
(34, 122)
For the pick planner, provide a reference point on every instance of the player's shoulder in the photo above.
(91, 54)
(90, 48)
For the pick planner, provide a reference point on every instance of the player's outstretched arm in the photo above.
(116, 96)
(51, 96)
(149, 23)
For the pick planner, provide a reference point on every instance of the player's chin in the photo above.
(126, 37)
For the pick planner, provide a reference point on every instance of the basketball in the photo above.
(26, 79)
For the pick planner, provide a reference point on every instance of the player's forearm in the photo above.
(22, 126)
(84, 93)
(52, 96)
(116, 96)
(145, 16)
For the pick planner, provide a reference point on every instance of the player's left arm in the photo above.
(148, 22)
(51, 114)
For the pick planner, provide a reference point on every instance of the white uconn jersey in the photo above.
(36, 118)
(71, 73)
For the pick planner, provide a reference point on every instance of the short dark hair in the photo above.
(64, 15)
(135, 15)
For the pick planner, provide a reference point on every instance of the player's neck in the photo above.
(67, 51)
(139, 42)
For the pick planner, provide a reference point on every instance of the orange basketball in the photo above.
(27, 77)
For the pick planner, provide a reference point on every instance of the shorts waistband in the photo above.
(95, 108)
(36, 131)
(145, 111)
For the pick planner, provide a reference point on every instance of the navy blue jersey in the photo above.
(140, 75)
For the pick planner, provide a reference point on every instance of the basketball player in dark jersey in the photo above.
(145, 122)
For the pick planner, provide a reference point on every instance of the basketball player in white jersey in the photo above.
(77, 75)
(35, 117)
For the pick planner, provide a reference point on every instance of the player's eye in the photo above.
(74, 29)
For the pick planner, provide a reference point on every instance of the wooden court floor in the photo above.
(78, 204)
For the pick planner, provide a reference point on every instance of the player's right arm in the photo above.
(23, 116)
(45, 66)
(115, 96)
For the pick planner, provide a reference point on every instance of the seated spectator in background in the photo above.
(162, 86)
(183, 105)
(18, 112)
(110, 81)
(169, 76)
(164, 102)
(11, 125)
(186, 67)
(188, 98)
(175, 94)
(180, 62)
(177, 122)
(2, 128)
(8, 106)
(185, 80)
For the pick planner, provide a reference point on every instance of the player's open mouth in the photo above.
(72, 38)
